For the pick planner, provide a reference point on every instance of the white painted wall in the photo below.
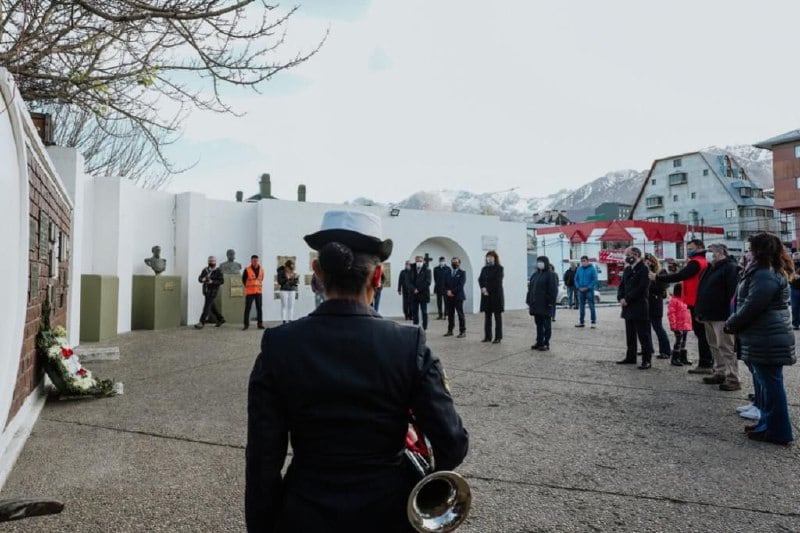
(14, 237)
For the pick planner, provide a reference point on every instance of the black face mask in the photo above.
(630, 259)
(212, 266)
(454, 265)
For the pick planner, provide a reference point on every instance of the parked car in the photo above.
(561, 299)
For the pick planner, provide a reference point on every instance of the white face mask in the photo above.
(419, 264)
(442, 263)
(540, 265)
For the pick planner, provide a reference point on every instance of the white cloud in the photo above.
(537, 95)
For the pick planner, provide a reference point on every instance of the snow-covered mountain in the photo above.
(617, 186)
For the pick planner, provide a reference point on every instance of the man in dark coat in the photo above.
(490, 281)
(211, 277)
(340, 384)
(632, 295)
(402, 288)
(418, 284)
(454, 282)
(439, 274)
(713, 307)
(569, 283)
(541, 300)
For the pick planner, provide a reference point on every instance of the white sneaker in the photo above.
(751, 414)
(744, 408)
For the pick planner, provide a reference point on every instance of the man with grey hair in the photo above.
(632, 295)
(713, 307)
(211, 277)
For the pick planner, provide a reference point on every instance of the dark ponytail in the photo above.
(345, 270)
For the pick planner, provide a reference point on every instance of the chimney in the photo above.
(239, 196)
(265, 187)
(301, 193)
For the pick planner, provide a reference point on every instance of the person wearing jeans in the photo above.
(585, 284)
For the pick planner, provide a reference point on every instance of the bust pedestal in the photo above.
(230, 298)
(156, 302)
(99, 301)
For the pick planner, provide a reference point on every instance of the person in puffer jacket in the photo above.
(762, 323)
(680, 323)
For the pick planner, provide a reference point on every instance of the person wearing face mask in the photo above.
(492, 298)
(454, 282)
(211, 277)
(439, 275)
(541, 299)
(402, 288)
(656, 294)
(713, 307)
(632, 295)
(690, 276)
(418, 284)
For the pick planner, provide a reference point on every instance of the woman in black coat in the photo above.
(762, 324)
(632, 297)
(655, 299)
(541, 300)
(492, 299)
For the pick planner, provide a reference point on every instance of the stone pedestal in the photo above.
(99, 301)
(156, 302)
(230, 298)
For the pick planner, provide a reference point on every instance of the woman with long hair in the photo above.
(656, 295)
(492, 299)
(287, 280)
(762, 324)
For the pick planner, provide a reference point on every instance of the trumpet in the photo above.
(440, 501)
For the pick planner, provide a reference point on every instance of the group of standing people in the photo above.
(736, 311)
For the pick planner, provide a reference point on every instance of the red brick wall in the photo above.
(46, 206)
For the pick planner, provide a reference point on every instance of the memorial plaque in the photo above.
(52, 231)
(63, 243)
(169, 285)
(489, 242)
(44, 244)
(307, 279)
(33, 235)
(387, 274)
(34, 281)
(237, 292)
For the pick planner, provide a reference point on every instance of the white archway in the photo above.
(437, 247)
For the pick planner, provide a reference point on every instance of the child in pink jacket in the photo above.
(680, 322)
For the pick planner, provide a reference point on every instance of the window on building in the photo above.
(748, 212)
(694, 195)
(730, 213)
(784, 227)
(797, 183)
(674, 197)
(732, 235)
(761, 212)
(654, 201)
(705, 172)
(797, 151)
(770, 213)
(679, 250)
(653, 181)
(676, 163)
(728, 167)
(658, 219)
(758, 193)
(678, 178)
(745, 192)
(674, 218)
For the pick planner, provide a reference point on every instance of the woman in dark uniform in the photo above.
(492, 299)
(340, 384)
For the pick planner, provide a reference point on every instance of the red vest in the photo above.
(690, 285)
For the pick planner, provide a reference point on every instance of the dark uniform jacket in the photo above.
(216, 278)
(542, 292)
(569, 277)
(762, 322)
(339, 383)
(491, 278)
(655, 298)
(716, 289)
(634, 288)
(440, 273)
(402, 286)
(421, 281)
(455, 281)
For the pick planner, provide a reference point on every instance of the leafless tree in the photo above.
(121, 75)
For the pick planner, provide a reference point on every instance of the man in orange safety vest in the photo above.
(253, 280)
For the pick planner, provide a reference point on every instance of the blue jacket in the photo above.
(586, 276)
(455, 282)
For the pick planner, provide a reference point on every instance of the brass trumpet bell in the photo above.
(439, 502)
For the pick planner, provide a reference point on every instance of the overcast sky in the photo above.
(487, 96)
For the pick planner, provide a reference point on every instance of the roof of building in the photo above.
(788, 137)
(654, 231)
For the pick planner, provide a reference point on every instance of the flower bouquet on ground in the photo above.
(65, 369)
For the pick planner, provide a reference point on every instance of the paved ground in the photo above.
(560, 441)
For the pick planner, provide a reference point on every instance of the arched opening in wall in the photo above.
(436, 247)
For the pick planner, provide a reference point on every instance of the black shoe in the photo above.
(199, 326)
(685, 358)
(487, 339)
(461, 335)
(496, 341)
(663, 356)
(260, 325)
(222, 321)
(448, 334)
(645, 365)
(245, 328)
(627, 361)
(536, 347)
(545, 348)
(580, 325)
